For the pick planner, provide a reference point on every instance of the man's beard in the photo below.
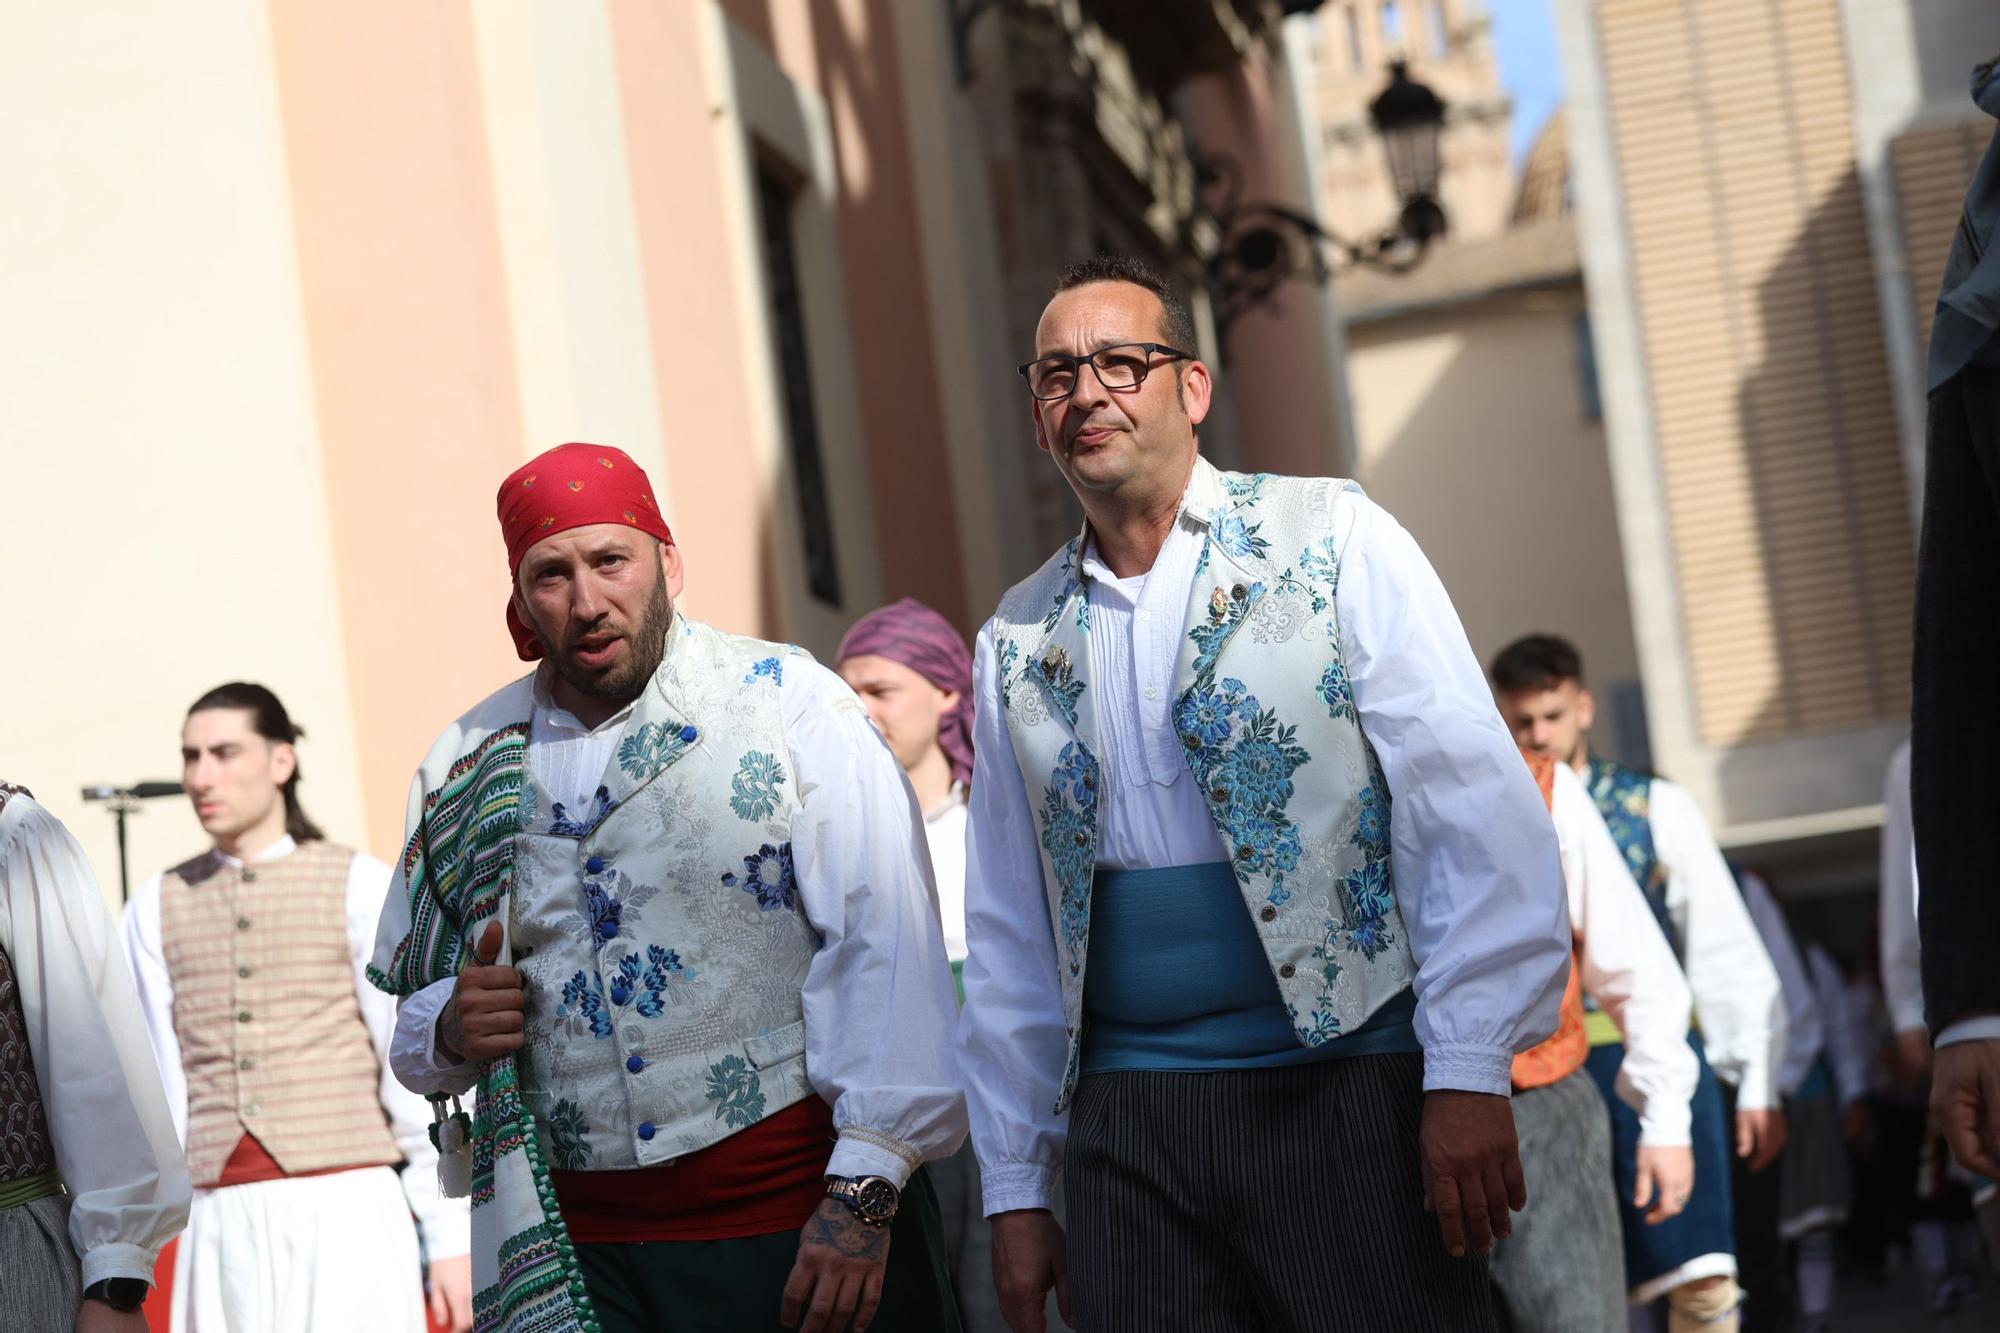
(627, 680)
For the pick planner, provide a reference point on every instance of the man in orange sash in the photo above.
(1562, 1271)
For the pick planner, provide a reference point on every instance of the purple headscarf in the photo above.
(910, 633)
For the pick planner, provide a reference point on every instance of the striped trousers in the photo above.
(1269, 1200)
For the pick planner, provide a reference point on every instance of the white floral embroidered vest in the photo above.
(1267, 723)
(660, 931)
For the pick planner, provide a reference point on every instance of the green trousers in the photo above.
(734, 1286)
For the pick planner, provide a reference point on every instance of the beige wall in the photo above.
(1472, 432)
(167, 523)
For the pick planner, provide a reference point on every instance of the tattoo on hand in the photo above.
(836, 1227)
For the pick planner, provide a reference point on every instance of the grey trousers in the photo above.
(1267, 1200)
(1563, 1269)
(41, 1285)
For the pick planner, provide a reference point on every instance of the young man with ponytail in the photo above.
(250, 960)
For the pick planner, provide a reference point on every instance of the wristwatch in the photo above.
(872, 1199)
(123, 1294)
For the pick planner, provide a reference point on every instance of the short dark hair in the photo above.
(268, 719)
(1175, 322)
(1536, 662)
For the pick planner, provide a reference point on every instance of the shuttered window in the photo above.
(1770, 389)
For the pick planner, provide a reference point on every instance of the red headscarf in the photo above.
(570, 486)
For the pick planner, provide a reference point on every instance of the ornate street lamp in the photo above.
(1263, 243)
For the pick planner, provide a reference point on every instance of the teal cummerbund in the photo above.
(1178, 980)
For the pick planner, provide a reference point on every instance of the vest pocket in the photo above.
(774, 1048)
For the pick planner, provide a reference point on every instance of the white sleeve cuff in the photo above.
(867, 1153)
(119, 1259)
(1469, 1068)
(1007, 1189)
(1666, 1127)
(1982, 1027)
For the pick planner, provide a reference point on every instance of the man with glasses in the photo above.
(1295, 1029)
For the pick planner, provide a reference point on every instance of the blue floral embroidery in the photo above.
(646, 987)
(1069, 836)
(1370, 898)
(1239, 539)
(1010, 652)
(1066, 585)
(1244, 485)
(1226, 610)
(564, 825)
(755, 786)
(1371, 832)
(735, 1089)
(609, 900)
(1624, 796)
(767, 875)
(1245, 759)
(583, 1003)
(1058, 674)
(1204, 716)
(1335, 691)
(569, 1136)
(602, 914)
(651, 748)
(769, 668)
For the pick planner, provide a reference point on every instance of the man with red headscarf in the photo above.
(663, 905)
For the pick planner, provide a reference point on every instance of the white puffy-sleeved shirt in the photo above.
(876, 1047)
(1474, 857)
(446, 1223)
(1628, 968)
(113, 1135)
(1738, 1001)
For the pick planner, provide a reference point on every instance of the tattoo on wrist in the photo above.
(836, 1228)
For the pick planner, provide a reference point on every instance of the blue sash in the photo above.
(1179, 981)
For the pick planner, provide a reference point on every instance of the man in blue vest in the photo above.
(1692, 1259)
(1256, 1023)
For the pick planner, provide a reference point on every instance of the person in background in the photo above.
(1813, 1192)
(92, 1180)
(251, 967)
(1296, 1029)
(1562, 1271)
(1691, 1260)
(914, 675)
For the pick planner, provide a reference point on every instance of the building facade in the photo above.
(1764, 195)
(293, 286)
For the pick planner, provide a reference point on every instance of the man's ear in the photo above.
(284, 761)
(673, 569)
(1198, 387)
(1586, 709)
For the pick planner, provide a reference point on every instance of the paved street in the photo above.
(1898, 1306)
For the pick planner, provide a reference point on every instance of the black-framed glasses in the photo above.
(1124, 366)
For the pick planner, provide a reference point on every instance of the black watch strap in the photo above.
(124, 1294)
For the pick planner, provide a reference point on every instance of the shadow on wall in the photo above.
(1807, 630)
(1499, 471)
